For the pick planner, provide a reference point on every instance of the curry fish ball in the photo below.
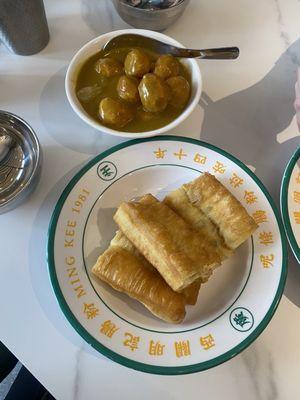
(179, 91)
(128, 89)
(108, 67)
(137, 63)
(154, 93)
(114, 112)
(166, 66)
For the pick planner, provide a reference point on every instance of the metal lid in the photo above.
(20, 160)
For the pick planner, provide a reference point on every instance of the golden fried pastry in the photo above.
(181, 204)
(176, 250)
(124, 270)
(121, 240)
(208, 195)
(190, 292)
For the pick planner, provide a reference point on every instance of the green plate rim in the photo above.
(154, 369)
(284, 204)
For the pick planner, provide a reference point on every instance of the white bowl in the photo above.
(93, 47)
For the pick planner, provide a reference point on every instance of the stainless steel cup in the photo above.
(23, 26)
(156, 20)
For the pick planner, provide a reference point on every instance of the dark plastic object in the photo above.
(7, 361)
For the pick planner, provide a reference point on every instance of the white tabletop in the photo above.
(247, 109)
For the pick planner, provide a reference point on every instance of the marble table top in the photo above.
(246, 108)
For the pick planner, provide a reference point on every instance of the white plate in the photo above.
(234, 306)
(290, 202)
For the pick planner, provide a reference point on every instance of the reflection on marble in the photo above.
(282, 29)
(77, 375)
(246, 123)
(100, 16)
(259, 362)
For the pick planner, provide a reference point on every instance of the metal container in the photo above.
(20, 160)
(23, 26)
(156, 20)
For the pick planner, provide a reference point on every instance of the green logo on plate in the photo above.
(107, 171)
(241, 319)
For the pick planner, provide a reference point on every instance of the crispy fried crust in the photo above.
(122, 270)
(181, 204)
(205, 209)
(208, 195)
(174, 248)
(190, 292)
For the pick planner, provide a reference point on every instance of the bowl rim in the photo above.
(183, 3)
(72, 98)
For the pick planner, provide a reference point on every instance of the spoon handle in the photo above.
(223, 53)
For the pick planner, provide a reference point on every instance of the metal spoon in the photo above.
(6, 142)
(126, 40)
